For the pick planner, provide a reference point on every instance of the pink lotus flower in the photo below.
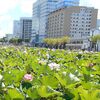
(91, 65)
(28, 77)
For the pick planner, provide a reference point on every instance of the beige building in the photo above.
(73, 21)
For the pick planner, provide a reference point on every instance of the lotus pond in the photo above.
(48, 74)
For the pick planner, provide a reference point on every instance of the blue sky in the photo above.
(14, 9)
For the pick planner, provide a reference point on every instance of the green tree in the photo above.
(57, 42)
(3, 40)
(27, 40)
(19, 40)
(64, 41)
(94, 40)
(15, 41)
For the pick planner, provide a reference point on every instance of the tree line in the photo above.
(56, 42)
(14, 41)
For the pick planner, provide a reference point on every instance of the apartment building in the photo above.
(76, 21)
(26, 27)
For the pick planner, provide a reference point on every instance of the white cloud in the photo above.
(91, 3)
(26, 6)
(1, 33)
(96, 4)
(5, 24)
(6, 6)
(5, 18)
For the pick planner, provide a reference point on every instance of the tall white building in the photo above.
(67, 3)
(26, 27)
(16, 29)
(41, 9)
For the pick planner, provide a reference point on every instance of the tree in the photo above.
(15, 41)
(19, 41)
(94, 40)
(56, 42)
(3, 39)
(26, 40)
(64, 41)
